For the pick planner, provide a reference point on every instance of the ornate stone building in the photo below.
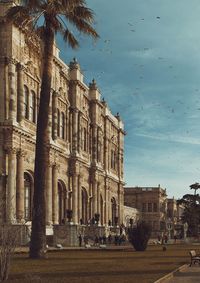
(85, 169)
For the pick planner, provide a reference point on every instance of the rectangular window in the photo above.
(26, 96)
(149, 207)
(155, 207)
(32, 107)
(144, 207)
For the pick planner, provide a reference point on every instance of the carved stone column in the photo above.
(54, 114)
(55, 194)
(20, 186)
(12, 91)
(50, 123)
(106, 204)
(49, 195)
(94, 143)
(75, 197)
(6, 93)
(79, 133)
(20, 93)
(109, 206)
(79, 208)
(94, 196)
(98, 198)
(75, 130)
(121, 203)
(11, 193)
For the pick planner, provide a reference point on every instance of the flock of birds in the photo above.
(141, 74)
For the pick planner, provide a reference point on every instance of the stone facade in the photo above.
(131, 216)
(85, 170)
(152, 204)
(174, 215)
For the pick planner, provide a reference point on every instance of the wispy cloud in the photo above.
(170, 138)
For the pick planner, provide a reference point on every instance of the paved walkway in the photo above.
(187, 275)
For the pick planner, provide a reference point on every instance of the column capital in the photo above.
(73, 109)
(55, 93)
(11, 150)
(20, 67)
(10, 61)
(21, 153)
(55, 165)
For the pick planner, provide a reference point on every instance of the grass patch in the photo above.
(100, 266)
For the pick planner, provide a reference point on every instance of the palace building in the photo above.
(85, 169)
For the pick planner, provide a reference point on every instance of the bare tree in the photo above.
(9, 239)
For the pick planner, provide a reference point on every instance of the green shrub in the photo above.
(140, 235)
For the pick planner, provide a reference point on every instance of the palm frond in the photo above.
(83, 13)
(70, 39)
(56, 25)
(83, 26)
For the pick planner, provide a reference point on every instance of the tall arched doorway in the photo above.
(62, 202)
(84, 213)
(28, 190)
(113, 211)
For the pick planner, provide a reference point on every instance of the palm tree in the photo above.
(195, 187)
(56, 16)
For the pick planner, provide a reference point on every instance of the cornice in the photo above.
(79, 83)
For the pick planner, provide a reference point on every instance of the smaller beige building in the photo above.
(153, 206)
(151, 202)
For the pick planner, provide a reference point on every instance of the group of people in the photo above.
(102, 240)
(163, 239)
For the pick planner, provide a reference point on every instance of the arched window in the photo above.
(27, 196)
(26, 102)
(58, 122)
(114, 211)
(112, 157)
(84, 206)
(62, 202)
(62, 126)
(32, 113)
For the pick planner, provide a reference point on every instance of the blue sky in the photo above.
(147, 66)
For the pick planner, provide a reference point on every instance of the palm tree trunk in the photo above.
(38, 234)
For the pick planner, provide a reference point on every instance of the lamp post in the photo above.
(185, 229)
(169, 227)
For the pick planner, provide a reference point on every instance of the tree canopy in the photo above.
(191, 214)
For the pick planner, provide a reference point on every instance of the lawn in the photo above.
(100, 266)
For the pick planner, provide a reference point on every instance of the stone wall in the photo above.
(66, 235)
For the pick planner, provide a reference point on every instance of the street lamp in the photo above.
(185, 229)
(169, 227)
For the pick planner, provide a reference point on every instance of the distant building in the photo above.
(151, 202)
(153, 206)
